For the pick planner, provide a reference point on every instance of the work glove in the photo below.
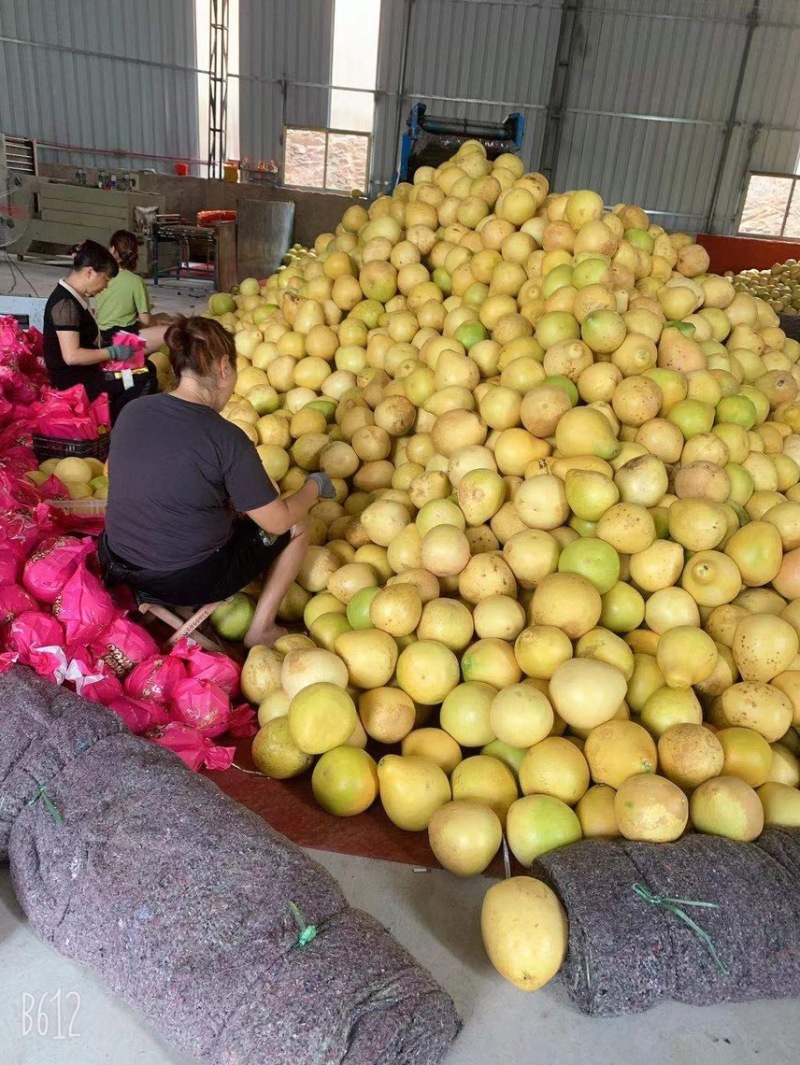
(120, 352)
(325, 485)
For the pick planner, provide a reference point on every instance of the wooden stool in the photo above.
(184, 622)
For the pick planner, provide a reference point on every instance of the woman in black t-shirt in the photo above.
(73, 349)
(178, 474)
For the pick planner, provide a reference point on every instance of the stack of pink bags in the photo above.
(57, 617)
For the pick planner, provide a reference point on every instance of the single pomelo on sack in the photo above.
(617, 750)
(73, 471)
(727, 806)
(321, 717)
(537, 824)
(596, 813)
(387, 714)
(485, 780)
(520, 715)
(525, 931)
(411, 789)
(312, 665)
(555, 767)
(261, 673)
(781, 804)
(747, 755)
(275, 752)
(434, 744)
(651, 809)
(688, 754)
(465, 836)
(345, 781)
(586, 692)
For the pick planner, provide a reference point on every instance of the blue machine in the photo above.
(430, 140)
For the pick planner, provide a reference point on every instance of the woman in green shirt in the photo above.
(124, 304)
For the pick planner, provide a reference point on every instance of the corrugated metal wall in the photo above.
(649, 108)
(474, 59)
(650, 90)
(108, 74)
(284, 68)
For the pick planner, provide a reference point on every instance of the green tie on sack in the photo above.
(673, 906)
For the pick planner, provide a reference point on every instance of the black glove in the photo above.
(120, 352)
(326, 486)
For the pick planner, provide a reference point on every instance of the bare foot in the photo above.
(265, 637)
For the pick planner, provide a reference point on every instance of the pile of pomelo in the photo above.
(82, 478)
(558, 592)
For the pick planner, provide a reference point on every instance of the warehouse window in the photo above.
(202, 45)
(354, 66)
(334, 160)
(771, 206)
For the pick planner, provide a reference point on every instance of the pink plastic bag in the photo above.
(92, 678)
(202, 704)
(130, 340)
(140, 716)
(13, 602)
(38, 639)
(123, 645)
(243, 721)
(52, 564)
(83, 607)
(208, 665)
(10, 564)
(196, 750)
(155, 678)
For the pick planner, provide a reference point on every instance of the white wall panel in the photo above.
(101, 74)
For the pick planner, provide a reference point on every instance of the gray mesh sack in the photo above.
(627, 952)
(193, 909)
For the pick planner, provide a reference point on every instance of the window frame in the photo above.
(328, 131)
(794, 178)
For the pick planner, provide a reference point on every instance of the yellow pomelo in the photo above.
(321, 717)
(617, 750)
(345, 781)
(521, 715)
(275, 752)
(525, 931)
(412, 789)
(689, 754)
(537, 824)
(651, 808)
(486, 780)
(465, 836)
(555, 767)
(596, 813)
(434, 744)
(727, 806)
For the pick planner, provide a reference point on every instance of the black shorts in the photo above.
(107, 334)
(249, 552)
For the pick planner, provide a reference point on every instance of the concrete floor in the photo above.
(435, 916)
(39, 279)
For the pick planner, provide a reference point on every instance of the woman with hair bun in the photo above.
(73, 346)
(124, 303)
(179, 473)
